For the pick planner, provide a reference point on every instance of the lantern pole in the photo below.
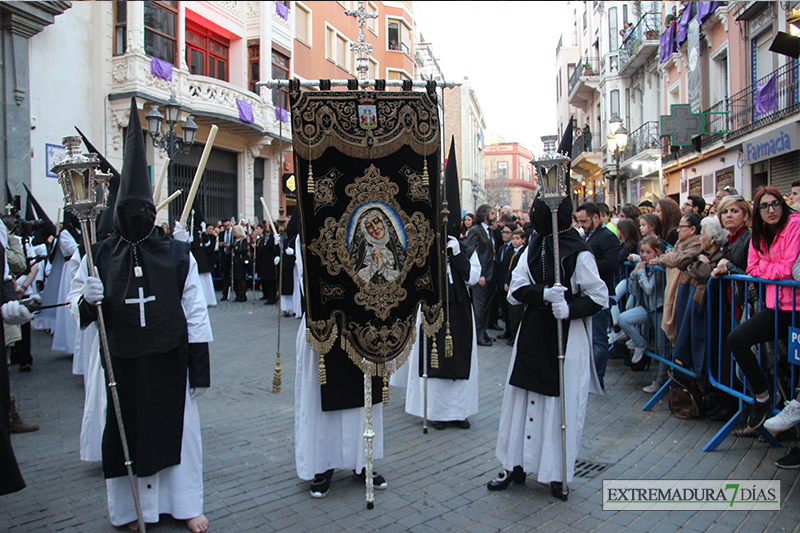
(553, 174)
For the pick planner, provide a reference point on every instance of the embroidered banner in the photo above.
(367, 164)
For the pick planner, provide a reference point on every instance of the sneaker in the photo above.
(788, 418)
(321, 484)
(616, 336)
(653, 388)
(629, 343)
(638, 353)
(791, 460)
(759, 413)
(378, 482)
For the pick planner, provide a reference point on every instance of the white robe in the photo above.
(207, 282)
(64, 327)
(327, 439)
(530, 423)
(177, 490)
(294, 302)
(448, 399)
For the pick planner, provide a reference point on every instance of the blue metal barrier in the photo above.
(717, 381)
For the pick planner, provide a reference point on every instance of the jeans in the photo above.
(631, 321)
(600, 324)
(759, 328)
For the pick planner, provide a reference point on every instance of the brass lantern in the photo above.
(85, 187)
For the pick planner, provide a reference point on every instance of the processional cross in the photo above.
(362, 47)
(141, 300)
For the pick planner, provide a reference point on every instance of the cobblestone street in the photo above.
(437, 482)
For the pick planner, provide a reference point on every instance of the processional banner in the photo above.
(367, 164)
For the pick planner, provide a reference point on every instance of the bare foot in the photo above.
(198, 524)
(134, 526)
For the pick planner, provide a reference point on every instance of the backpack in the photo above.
(684, 397)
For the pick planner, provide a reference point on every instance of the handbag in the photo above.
(684, 398)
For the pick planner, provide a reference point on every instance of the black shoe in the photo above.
(505, 478)
(462, 424)
(25, 368)
(759, 413)
(378, 482)
(223, 299)
(791, 460)
(503, 335)
(264, 298)
(287, 313)
(321, 484)
(484, 343)
(489, 338)
(493, 326)
(558, 492)
(510, 342)
(435, 424)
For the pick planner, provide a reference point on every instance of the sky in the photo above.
(508, 52)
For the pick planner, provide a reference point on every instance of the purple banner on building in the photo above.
(667, 44)
(281, 115)
(683, 24)
(245, 111)
(704, 9)
(282, 10)
(160, 69)
(767, 96)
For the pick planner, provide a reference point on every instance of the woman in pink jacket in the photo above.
(774, 247)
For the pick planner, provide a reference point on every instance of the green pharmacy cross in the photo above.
(682, 124)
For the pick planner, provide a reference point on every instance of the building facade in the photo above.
(510, 176)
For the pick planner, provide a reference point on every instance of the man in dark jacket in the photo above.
(605, 247)
(481, 239)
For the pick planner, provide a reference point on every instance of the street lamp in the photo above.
(617, 141)
(169, 141)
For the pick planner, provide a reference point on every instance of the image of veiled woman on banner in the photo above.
(377, 252)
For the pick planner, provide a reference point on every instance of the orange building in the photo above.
(510, 178)
(324, 34)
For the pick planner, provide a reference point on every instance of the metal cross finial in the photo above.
(362, 47)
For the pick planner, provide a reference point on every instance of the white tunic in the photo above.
(177, 490)
(64, 327)
(327, 439)
(207, 282)
(448, 399)
(530, 423)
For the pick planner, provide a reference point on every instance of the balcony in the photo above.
(210, 100)
(584, 81)
(770, 99)
(640, 44)
(643, 139)
(586, 157)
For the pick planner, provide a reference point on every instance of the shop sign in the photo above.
(772, 144)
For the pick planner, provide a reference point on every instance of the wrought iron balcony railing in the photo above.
(587, 66)
(644, 30)
(645, 137)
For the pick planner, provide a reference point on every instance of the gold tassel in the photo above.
(425, 172)
(311, 188)
(276, 375)
(385, 391)
(448, 342)
(434, 355)
(323, 374)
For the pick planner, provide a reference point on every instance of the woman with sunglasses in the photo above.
(774, 248)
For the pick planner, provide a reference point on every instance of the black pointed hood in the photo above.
(30, 211)
(452, 189)
(105, 224)
(134, 212)
(39, 213)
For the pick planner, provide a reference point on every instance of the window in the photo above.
(206, 52)
(502, 170)
(584, 20)
(337, 48)
(160, 30)
(399, 36)
(280, 71)
(613, 32)
(372, 24)
(373, 72)
(120, 27)
(521, 172)
(614, 102)
(302, 24)
(253, 57)
(398, 75)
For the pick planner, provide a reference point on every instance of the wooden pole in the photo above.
(199, 174)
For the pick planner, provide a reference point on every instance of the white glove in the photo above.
(179, 233)
(15, 314)
(453, 244)
(277, 239)
(196, 393)
(554, 294)
(203, 227)
(290, 251)
(561, 310)
(93, 289)
(277, 260)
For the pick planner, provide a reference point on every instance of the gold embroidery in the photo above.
(325, 194)
(417, 189)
